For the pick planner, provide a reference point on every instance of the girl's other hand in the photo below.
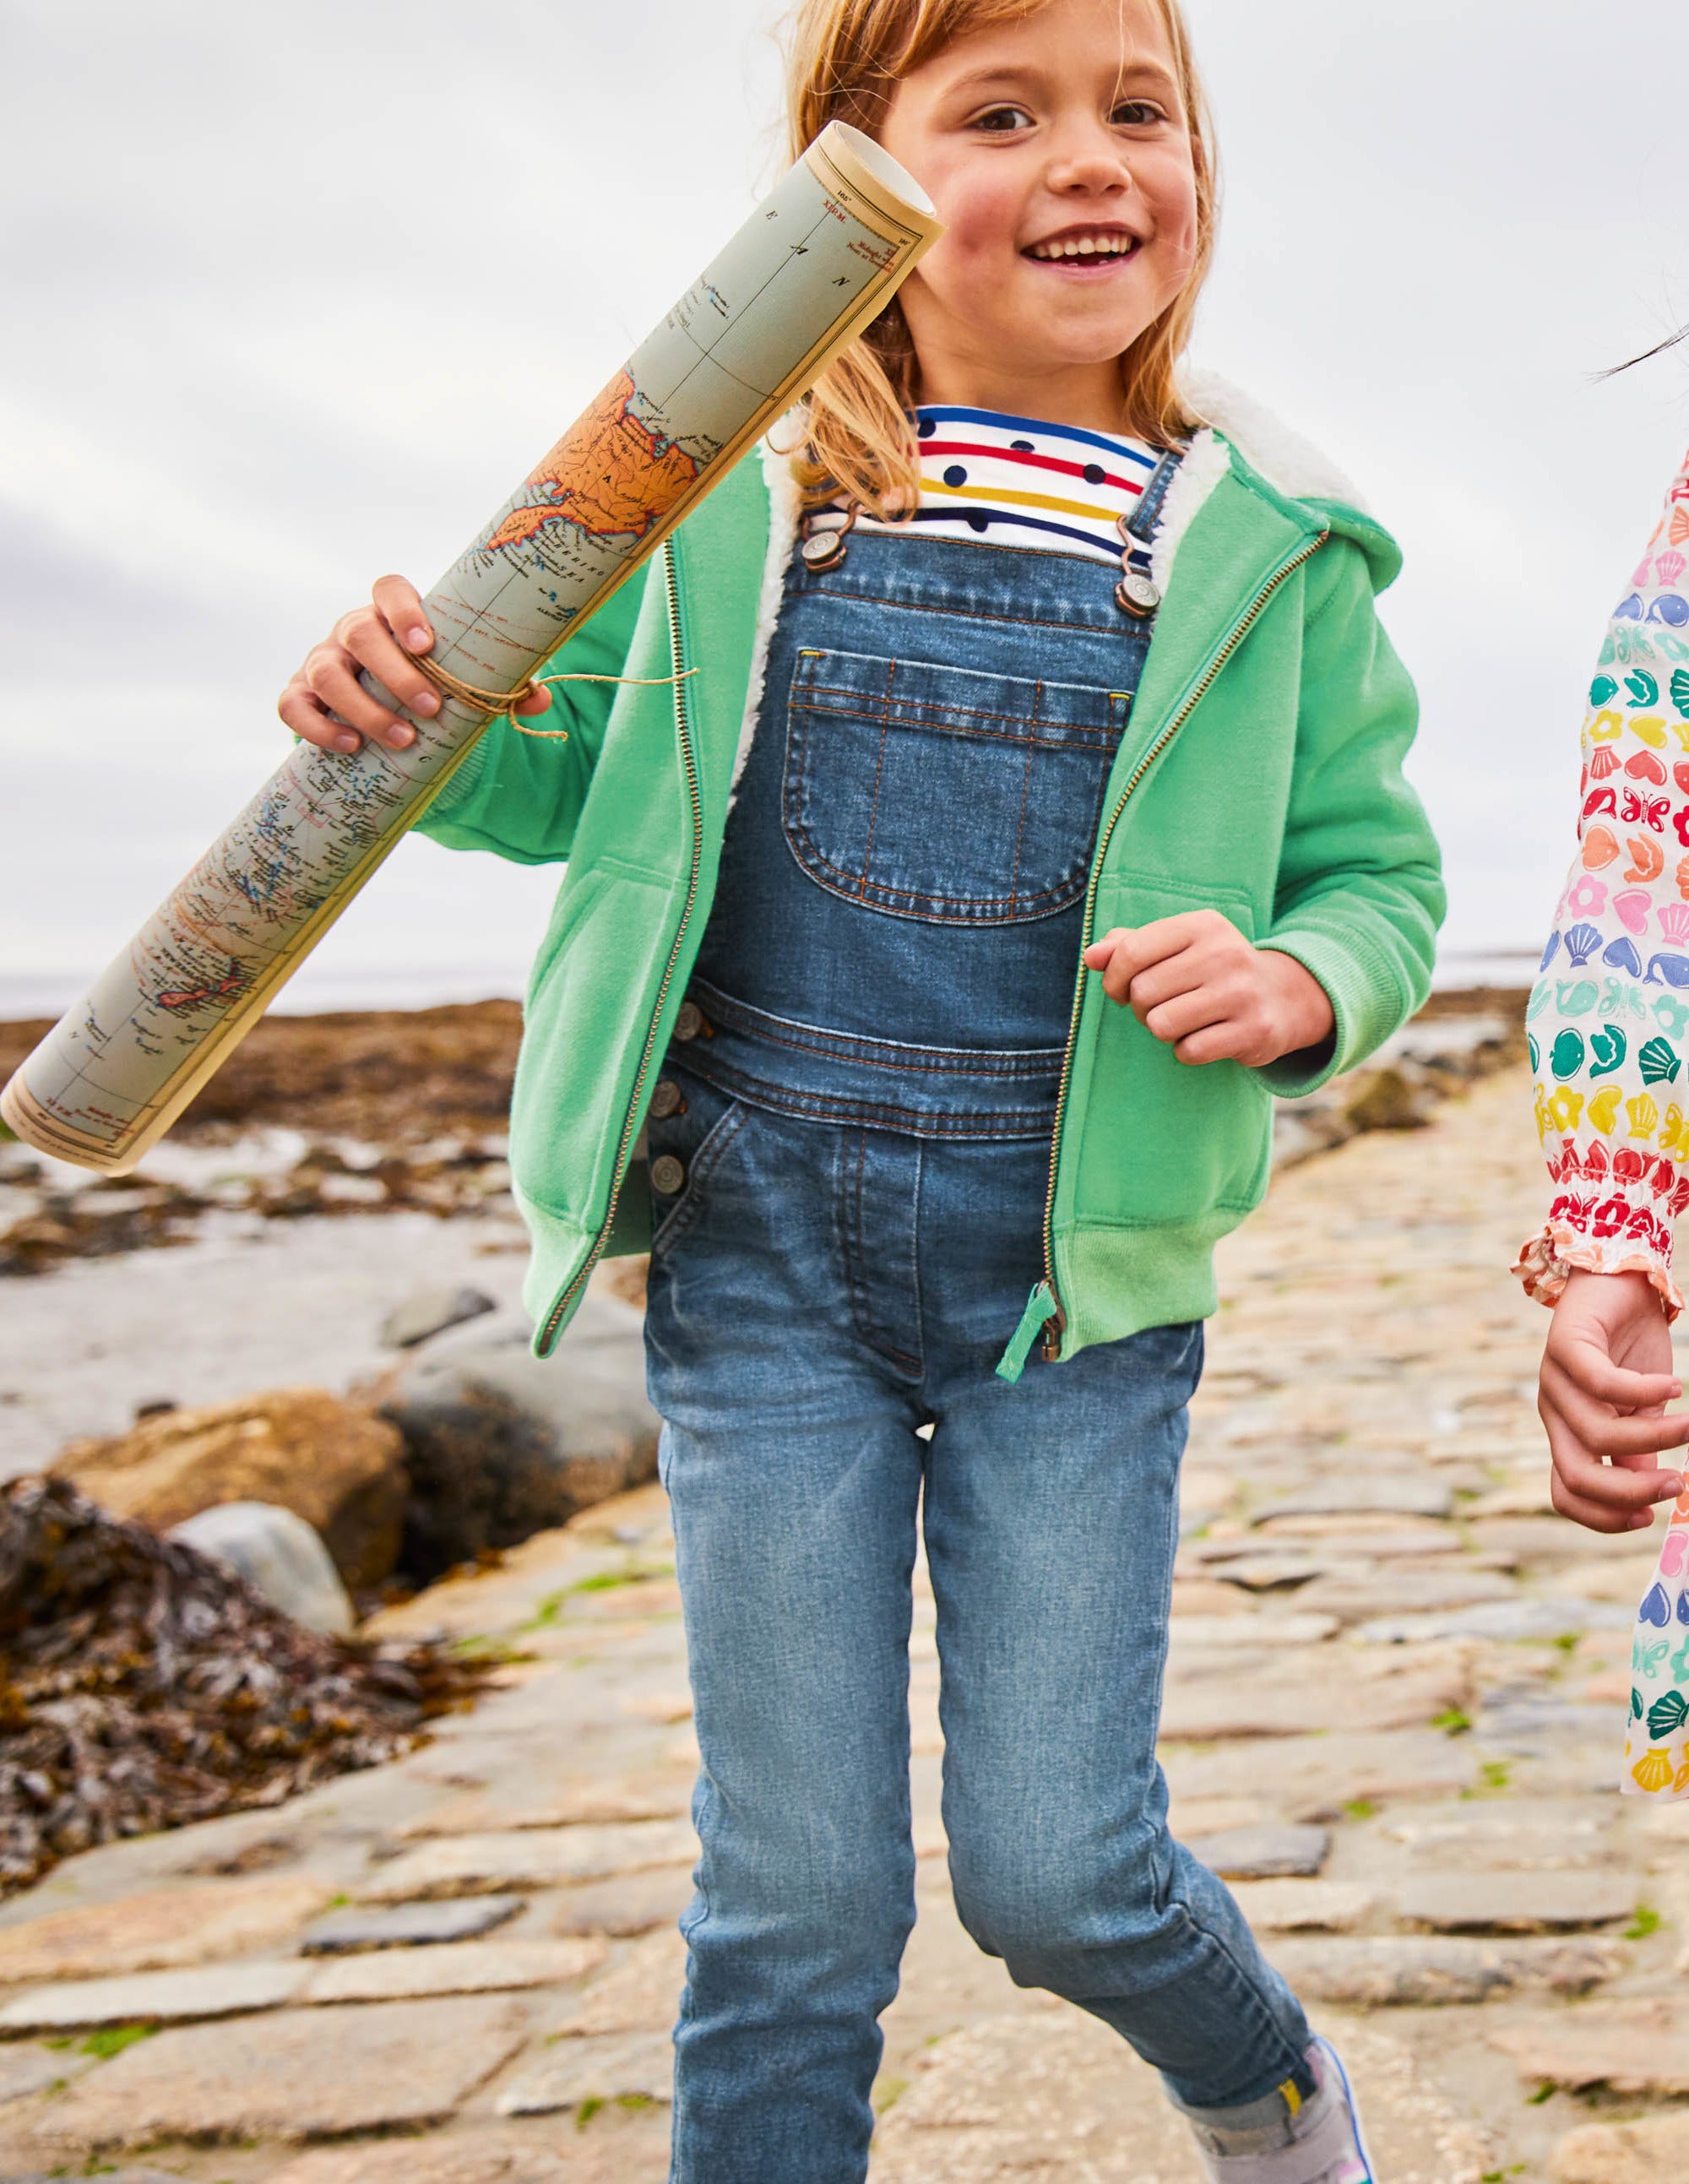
(1195, 982)
(1607, 1378)
(326, 703)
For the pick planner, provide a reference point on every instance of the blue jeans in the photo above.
(820, 1291)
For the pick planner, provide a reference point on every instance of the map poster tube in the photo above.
(817, 262)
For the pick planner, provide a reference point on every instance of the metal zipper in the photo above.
(683, 737)
(1055, 1324)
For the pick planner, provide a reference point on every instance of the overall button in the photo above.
(668, 1177)
(666, 1100)
(1137, 594)
(690, 1021)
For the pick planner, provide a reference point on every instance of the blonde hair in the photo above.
(844, 58)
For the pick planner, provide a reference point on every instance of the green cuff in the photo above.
(1366, 1000)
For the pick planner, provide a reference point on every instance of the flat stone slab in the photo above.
(109, 2175)
(617, 2148)
(409, 1925)
(1212, 1710)
(1649, 2151)
(1631, 2046)
(31, 2069)
(462, 1968)
(156, 1997)
(187, 1924)
(1267, 1572)
(1263, 1853)
(292, 2074)
(1043, 2095)
(1356, 1596)
(1503, 1620)
(640, 2064)
(633, 1905)
(1314, 1777)
(1391, 1493)
(582, 1804)
(1515, 1902)
(1251, 1633)
(1392, 1970)
(1310, 1907)
(642, 1994)
(484, 1865)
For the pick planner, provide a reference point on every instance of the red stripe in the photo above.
(1027, 458)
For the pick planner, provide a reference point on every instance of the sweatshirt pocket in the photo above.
(1164, 1141)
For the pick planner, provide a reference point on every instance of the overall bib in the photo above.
(851, 1145)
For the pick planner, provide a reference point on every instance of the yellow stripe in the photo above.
(1103, 515)
(1293, 2099)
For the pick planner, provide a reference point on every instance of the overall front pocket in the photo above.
(943, 793)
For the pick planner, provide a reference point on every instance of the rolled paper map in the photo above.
(1657, 1738)
(815, 263)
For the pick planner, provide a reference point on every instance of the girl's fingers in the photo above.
(1586, 1365)
(1175, 1020)
(371, 643)
(1596, 1428)
(1229, 1040)
(402, 609)
(330, 674)
(1596, 1516)
(301, 712)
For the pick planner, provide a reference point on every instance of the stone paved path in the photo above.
(1394, 1712)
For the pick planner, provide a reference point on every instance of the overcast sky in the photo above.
(294, 295)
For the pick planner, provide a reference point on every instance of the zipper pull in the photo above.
(1040, 1309)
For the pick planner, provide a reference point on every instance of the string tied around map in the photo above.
(491, 702)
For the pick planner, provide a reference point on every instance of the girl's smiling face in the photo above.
(1058, 153)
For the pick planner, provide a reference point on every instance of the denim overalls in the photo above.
(850, 1149)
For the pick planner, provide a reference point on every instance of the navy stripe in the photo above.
(1042, 424)
(997, 514)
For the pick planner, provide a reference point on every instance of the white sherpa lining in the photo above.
(1232, 420)
(784, 508)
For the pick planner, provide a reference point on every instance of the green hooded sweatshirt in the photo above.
(1260, 775)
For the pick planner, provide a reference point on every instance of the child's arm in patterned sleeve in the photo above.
(1609, 1032)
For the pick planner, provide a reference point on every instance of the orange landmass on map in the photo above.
(609, 474)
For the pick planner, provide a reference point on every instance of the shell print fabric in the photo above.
(1609, 1027)
(1657, 1739)
(1609, 1020)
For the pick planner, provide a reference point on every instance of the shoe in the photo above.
(1316, 2141)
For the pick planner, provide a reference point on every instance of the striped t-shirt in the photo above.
(1017, 482)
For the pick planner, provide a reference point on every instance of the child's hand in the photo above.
(1607, 1378)
(326, 703)
(1195, 982)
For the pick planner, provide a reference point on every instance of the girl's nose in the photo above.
(1097, 166)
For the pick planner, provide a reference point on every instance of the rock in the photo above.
(482, 1865)
(110, 2174)
(1386, 1100)
(338, 1466)
(293, 2075)
(632, 1904)
(28, 2069)
(1367, 1593)
(280, 1555)
(408, 1925)
(640, 2064)
(581, 1803)
(430, 1311)
(1257, 1706)
(640, 1994)
(158, 1931)
(1649, 2151)
(1629, 2047)
(1296, 1907)
(464, 1968)
(1026, 2099)
(1313, 1778)
(1377, 1492)
(1394, 1969)
(1502, 1620)
(1263, 1853)
(1195, 1633)
(501, 1445)
(1255, 1573)
(1514, 1902)
(621, 2148)
(155, 1997)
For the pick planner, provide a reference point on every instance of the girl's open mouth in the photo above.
(1091, 252)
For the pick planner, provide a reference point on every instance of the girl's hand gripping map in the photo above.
(814, 264)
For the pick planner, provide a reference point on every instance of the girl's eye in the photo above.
(1002, 120)
(1136, 114)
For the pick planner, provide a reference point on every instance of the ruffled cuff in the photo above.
(1547, 1260)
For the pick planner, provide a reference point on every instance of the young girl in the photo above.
(1014, 651)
